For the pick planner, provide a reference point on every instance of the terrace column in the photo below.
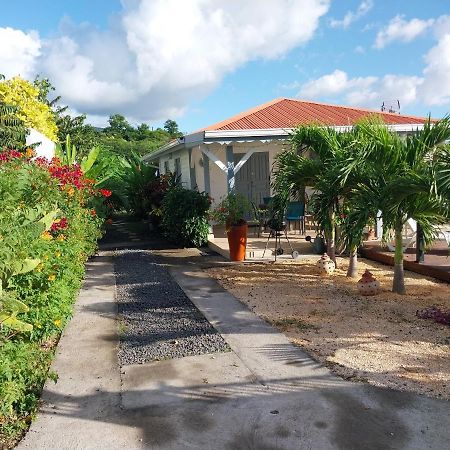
(230, 168)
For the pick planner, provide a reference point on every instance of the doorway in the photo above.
(253, 179)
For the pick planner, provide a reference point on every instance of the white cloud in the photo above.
(441, 26)
(436, 86)
(399, 29)
(158, 55)
(18, 52)
(367, 91)
(430, 88)
(333, 84)
(352, 16)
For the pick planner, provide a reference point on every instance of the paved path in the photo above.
(265, 394)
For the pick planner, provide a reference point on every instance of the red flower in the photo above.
(59, 225)
(105, 192)
(8, 155)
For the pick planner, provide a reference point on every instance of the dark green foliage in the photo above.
(120, 137)
(41, 269)
(132, 182)
(142, 142)
(119, 127)
(82, 135)
(172, 128)
(185, 217)
(23, 371)
(12, 129)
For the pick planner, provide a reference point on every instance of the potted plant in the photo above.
(231, 212)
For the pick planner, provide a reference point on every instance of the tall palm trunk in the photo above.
(353, 263)
(331, 238)
(398, 285)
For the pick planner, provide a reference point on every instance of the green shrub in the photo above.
(185, 217)
(49, 226)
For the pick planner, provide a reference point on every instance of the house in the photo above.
(238, 153)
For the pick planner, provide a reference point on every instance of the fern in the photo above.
(12, 129)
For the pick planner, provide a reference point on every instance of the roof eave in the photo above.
(211, 136)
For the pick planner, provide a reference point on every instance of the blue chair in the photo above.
(295, 212)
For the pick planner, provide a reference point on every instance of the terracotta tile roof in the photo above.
(288, 113)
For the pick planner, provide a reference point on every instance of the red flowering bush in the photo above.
(34, 192)
(105, 192)
(58, 225)
(8, 155)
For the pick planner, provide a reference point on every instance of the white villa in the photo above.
(238, 153)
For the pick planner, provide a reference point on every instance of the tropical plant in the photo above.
(231, 210)
(316, 159)
(154, 193)
(93, 165)
(30, 109)
(10, 307)
(406, 178)
(134, 178)
(48, 228)
(12, 129)
(185, 217)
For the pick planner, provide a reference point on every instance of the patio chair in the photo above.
(267, 200)
(296, 213)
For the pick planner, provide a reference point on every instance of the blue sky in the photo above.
(200, 61)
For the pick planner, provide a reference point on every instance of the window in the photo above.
(178, 167)
(166, 167)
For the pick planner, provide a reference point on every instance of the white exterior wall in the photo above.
(183, 154)
(196, 156)
(217, 177)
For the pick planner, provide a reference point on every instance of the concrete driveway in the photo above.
(265, 394)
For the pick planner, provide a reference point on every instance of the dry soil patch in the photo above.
(375, 339)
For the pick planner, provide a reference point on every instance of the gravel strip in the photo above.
(157, 319)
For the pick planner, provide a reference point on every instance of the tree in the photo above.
(317, 157)
(405, 180)
(120, 127)
(172, 128)
(30, 109)
(82, 135)
(12, 129)
(142, 132)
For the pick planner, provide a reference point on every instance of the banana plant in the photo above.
(92, 165)
(10, 307)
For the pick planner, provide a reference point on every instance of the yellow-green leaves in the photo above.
(10, 307)
(34, 113)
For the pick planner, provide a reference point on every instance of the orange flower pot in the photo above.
(237, 242)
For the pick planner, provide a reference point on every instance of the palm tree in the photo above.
(405, 180)
(317, 159)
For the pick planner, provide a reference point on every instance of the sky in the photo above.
(201, 61)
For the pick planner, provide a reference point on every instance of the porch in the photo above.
(218, 242)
